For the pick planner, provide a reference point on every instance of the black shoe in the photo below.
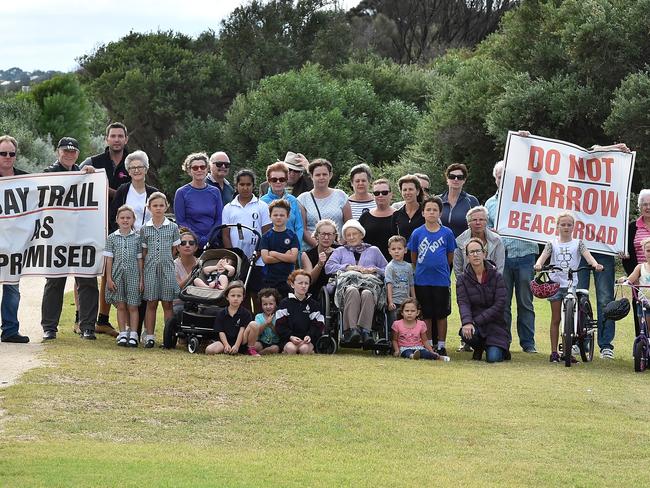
(506, 355)
(477, 355)
(346, 335)
(16, 339)
(49, 335)
(442, 351)
(149, 344)
(88, 335)
(366, 337)
(355, 337)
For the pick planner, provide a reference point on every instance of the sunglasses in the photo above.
(277, 180)
(4, 154)
(219, 164)
(188, 243)
(456, 177)
(198, 167)
(382, 192)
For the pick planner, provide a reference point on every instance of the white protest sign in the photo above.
(543, 177)
(53, 224)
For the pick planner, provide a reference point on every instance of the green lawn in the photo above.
(99, 415)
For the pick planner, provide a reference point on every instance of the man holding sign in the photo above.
(543, 176)
(10, 293)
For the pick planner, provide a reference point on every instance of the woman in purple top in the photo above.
(198, 205)
(358, 303)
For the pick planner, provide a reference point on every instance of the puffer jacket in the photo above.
(483, 304)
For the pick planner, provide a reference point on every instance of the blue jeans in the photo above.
(604, 294)
(424, 354)
(517, 274)
(9, 312)
(493, 354)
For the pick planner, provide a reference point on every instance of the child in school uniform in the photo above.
(279, 248)
(299, 321)
(160, 238)
(231, 322)
(124, 278)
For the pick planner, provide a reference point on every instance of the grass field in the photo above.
(99, 415)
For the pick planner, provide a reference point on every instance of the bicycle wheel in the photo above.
(586, 331)
(567, 332)
(640, 356)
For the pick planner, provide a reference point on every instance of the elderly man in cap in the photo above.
(67, 153)
(298, 180)
(219, 165)
(10, 293)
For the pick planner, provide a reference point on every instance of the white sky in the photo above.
(51, 34)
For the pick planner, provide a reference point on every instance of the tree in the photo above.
(310, 111)
(153, 82)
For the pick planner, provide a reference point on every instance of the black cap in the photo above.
(68, 143)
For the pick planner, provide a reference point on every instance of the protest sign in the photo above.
(53, 224)
(543, 177)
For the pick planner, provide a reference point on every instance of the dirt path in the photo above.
(15, 359)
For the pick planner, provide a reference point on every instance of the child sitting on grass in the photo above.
(299, 320)
(217, 275)
(260, 335)
(410, 335)
(230, 323)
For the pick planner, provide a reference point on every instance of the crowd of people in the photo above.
(365, 250)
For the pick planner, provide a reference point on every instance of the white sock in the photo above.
(134, 334)
(430, 342)
(149, 337)
(441, 344)
(122, 334)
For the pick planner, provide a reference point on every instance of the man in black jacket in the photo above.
(111, 160)
(67, 154)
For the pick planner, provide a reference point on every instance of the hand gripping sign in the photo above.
(52, 224)
(543, 177)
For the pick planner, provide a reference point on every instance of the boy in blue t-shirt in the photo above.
(279, 248)
(432, 252)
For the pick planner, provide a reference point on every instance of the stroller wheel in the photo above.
(326, 345)
(193, 344)
(169, 335)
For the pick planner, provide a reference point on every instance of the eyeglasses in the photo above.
(136, 168)
(199, 167)
(188, 243)
(381, 192)
(453, 176)
(277, 180)
(220, 164)
(326, 234)
(11, 154)
(475, 252)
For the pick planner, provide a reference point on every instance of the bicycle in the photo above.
(641, 345)
(577, 319)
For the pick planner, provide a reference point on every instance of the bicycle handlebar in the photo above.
(552, 267)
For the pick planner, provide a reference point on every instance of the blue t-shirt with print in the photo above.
(268, 335)
(432, 266)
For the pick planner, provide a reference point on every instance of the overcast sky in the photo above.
(52, 34)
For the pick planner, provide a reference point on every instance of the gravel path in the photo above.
(15, 359)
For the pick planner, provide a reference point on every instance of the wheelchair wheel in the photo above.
(567, 332)
(170, 338)
(193, 344)
(640, 356)
(326, 345)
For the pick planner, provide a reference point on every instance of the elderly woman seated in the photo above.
(359, 302)
(481, 296)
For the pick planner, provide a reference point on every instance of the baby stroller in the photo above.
(196, 322)
(332, 339)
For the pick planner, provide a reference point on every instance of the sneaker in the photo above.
(464, 347)
(575, 350)
(606, 353)
(107, 329)
(49, 335)
(122, 341)
(445, 359)
(573, 358)
(253, 352)
(149, 344)
(442, 351)
(88, 335)
(477, 355)
(530, 350)
(555, 357)
(416, 355)
(132, 342)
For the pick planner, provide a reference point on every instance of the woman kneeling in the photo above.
(299, 320)
(481, 296)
